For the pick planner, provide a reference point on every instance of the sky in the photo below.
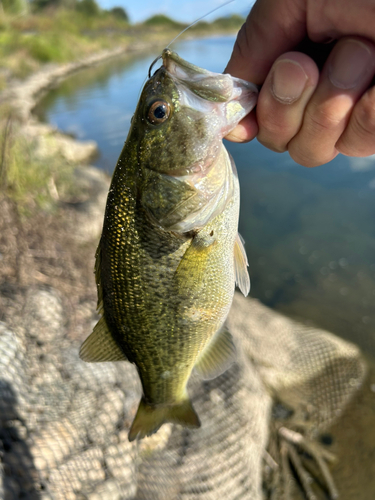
(185, 11)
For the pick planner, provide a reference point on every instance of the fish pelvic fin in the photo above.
(217, 357)
(100, 345)
(149, 419)
(98, 277)
(240, 266)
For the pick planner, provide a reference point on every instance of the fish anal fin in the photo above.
(240, 266)
(100, 345)
(218, 356)
(150, 418)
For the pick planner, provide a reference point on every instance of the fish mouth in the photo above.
(210, 86)
(172, 59)
(237, 96)
(217, 87)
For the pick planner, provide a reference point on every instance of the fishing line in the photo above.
(188, 27)
(175, 38)
(199, 19)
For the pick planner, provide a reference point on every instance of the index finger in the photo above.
(272, 28)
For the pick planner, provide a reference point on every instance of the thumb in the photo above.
(272, 28)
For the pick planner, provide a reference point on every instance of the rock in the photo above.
(157, 441)
(121, 460)
(49, 142)
(54, 443)
(110, 414)
(90, 212)
(13, 379)
(109, 490)
(20, 466)
(2, 491)
(44, 315)
(60, 439)
(92, 376)
(85, 468)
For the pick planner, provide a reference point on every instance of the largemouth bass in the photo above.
(170, 254)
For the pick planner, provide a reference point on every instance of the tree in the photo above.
(42, 4)
(88, 7)
(162, 20)
(120, 13)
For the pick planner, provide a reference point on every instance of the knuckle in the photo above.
(272, 125)
(323, 118)
(304, 158)
(274, 130)
(306, 153)
(363, 118)
(358, 139)
(271, 144)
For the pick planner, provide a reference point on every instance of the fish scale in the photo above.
(170, 254)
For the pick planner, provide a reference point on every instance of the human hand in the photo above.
(313, 114)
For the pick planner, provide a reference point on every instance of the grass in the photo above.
(30, 181)
(27, 42)
(57, 36)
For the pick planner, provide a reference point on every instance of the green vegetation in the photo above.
(88, 7)
(14, 6)
(233, 22)
(120, 13)
(162, 20)
(25, 177)
(36, 32)
(57, 35)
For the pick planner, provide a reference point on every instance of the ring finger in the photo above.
(345, 77)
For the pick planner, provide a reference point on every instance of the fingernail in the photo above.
(350, 64)
(288, 81)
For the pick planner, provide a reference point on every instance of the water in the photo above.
(310, 233)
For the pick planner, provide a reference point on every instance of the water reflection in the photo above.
(309, 233)
(310, 240)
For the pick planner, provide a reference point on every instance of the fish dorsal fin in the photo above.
(240, 266)
(217, 356)
(100, 345)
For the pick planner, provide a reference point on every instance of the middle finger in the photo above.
(345, 76)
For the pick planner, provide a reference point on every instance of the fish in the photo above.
(170, 254)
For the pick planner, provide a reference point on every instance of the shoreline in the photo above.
(24, 96)
(67, 420)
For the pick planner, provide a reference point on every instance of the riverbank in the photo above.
(59, 34)
(64, 422)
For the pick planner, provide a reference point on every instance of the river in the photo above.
(309, 233)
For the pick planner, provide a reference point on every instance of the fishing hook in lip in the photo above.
(152, 65)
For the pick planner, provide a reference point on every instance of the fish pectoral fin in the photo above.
(240, 266)
(100, 345)
(218, 356)
(150, 418)
(195, 262)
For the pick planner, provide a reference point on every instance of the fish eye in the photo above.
(158, 112)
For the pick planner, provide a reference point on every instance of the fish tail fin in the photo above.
(150, 418)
